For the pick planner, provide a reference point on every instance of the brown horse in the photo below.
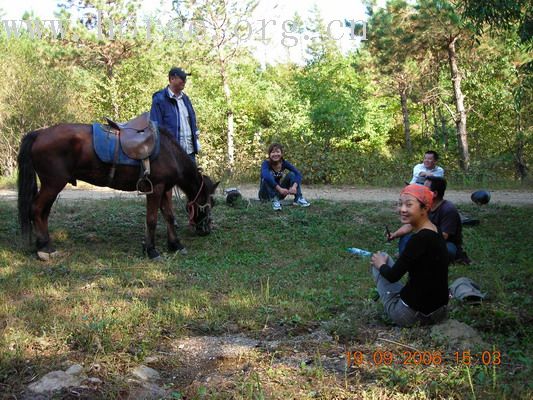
(64, 153)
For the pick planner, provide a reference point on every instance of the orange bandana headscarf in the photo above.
(421, 193)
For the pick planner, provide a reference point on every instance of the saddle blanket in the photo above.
(104, 143)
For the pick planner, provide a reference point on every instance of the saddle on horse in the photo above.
(137, 139)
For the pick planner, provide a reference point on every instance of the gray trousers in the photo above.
(399, 312)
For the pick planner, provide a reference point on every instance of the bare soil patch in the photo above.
(315, 192)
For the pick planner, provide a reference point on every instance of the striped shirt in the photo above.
(182, 116)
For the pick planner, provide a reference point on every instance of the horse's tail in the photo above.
(27, 182)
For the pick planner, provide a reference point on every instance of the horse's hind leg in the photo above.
(173, 242)
(41, 210)
(152, 204)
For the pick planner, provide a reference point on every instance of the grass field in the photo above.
(281, 280)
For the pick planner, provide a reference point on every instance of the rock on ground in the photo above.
(457, 335)
(145, 373)
(57, 380)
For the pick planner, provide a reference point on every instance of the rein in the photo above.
(190, 205)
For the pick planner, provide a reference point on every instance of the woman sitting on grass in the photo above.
(424, 297)
(275, 184)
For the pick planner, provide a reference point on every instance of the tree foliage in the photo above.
(501, 15)
(34, 92)
(344, 118)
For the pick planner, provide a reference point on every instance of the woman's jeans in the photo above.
(400, 313)
(267, 192)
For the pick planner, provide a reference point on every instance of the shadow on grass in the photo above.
(270, 276)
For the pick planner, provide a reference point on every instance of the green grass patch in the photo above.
(8, 182)
(286, 273)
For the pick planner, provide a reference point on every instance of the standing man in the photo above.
(172, 109)
(427, 168)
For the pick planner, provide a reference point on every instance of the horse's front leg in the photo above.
(173, 242)
(153, 201)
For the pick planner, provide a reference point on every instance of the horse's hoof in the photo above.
(46, 256)
(183, 252)
(175, 246)
(153, 254)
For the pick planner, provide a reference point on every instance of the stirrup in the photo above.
(145, 179)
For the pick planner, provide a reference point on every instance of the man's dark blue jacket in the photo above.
(165, 112)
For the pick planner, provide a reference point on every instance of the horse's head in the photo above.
(200, 206)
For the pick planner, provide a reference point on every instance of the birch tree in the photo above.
(220, 29)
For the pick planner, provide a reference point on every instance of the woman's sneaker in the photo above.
(301, 202)
(276, 205)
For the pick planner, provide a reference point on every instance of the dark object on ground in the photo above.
(232, 196)
(374, 294)
(465, 289)
(462, 258)
(467, 221)
(480, 197)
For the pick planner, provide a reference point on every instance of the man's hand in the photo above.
(387, 233)
(402, 230)
(390, 236)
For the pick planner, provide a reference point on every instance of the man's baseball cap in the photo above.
(175, 71)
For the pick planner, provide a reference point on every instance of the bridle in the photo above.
(194, 211)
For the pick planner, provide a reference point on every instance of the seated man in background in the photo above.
(427, 168)
(445, 217)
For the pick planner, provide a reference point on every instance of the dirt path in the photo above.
(344, 193)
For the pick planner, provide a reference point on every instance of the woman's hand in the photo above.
(378, 259)
(293, 189)
(282, 191)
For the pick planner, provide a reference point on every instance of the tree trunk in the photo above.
(460, 119)
(426, 123)
(444, 128)
(520, 164)
(229, 117)
(402, 89)
(519, 160)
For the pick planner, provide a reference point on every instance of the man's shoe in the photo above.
(464, 260)
(301, 202)
(276, 205)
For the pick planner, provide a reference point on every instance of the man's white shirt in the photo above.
(437, 171)
(182, 114)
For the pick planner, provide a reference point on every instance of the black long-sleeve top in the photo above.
(426, 260)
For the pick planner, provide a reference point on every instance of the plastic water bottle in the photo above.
(359, 252)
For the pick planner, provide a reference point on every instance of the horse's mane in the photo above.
(165, 132)
(182, 154)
